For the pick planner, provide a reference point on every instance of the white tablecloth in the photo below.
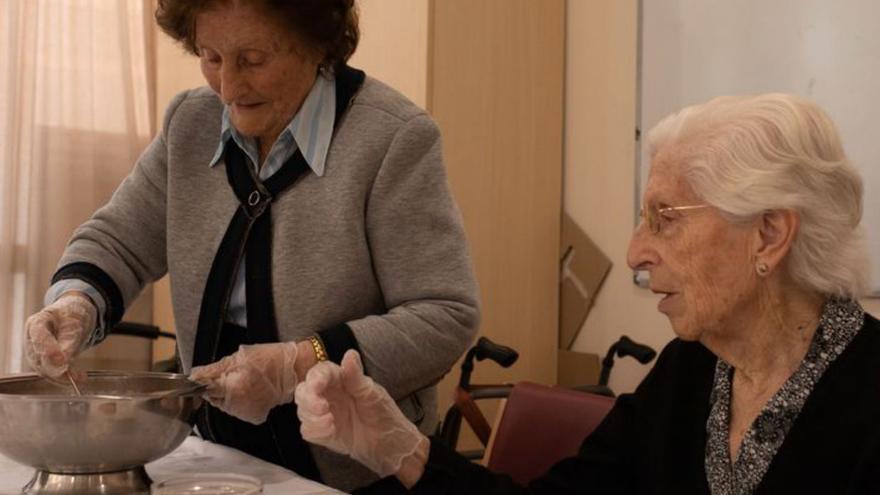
(192, 457)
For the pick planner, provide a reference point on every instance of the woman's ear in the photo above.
(777, 230)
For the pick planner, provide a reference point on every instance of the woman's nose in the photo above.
(641, 255)
(231, 83)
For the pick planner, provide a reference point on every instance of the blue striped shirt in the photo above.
(311, 130)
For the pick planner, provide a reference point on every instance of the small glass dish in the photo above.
(208, 484)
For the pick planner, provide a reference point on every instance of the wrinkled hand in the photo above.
(57, 333)
(252, 381)
(349, 413)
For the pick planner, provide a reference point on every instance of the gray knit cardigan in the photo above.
(376, 243)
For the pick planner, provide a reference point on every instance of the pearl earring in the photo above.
(762, 268)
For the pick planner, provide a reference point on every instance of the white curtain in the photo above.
(76, 93)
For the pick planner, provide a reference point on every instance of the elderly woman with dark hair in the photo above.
(301, 209)
(750, 232)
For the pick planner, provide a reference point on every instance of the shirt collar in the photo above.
(310, 130)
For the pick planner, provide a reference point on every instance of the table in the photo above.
(195, 456)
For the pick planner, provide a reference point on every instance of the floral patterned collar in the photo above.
(841, 320)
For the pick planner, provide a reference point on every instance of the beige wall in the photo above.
(599, 172)
(599, 178)
(394, 45)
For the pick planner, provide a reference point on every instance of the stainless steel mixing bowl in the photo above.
(122, 421)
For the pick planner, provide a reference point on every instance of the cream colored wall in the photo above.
(599, 178)
(599, 172)
(872, 306)
(394, 45)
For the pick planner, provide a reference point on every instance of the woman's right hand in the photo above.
(342, 409)
(56, 333)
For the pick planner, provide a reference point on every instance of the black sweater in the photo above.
(654, 440)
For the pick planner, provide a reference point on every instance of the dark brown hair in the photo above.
(330, 26)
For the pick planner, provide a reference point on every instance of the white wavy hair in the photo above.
(746, 155)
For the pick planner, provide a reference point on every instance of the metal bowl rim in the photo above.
(193, 388)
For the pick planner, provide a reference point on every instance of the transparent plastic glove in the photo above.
(252, 381)
(349, 413)
(56, 334)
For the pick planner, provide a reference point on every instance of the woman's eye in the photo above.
(251, 60)
(210, 59)
(209, 56)
(668, 216)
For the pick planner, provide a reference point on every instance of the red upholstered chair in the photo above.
(542, 425)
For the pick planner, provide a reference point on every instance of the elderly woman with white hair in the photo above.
(750, 232)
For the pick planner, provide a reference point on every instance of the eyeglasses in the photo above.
(656, 217)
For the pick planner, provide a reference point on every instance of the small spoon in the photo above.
(73, 384)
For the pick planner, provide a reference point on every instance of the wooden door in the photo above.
(495, 86)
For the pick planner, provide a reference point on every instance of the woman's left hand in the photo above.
(252, 381)
(346, 411)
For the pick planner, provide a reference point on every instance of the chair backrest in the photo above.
(542, 425)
